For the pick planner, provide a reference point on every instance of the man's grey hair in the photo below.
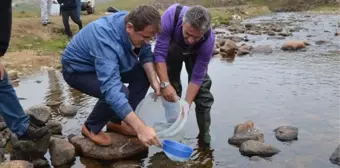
(198, 17)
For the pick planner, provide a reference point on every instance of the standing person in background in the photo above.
(187, 37)
(69, 9)
(10, 109)
(45, 7)
(78, 2)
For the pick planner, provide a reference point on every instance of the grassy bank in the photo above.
(29, 34)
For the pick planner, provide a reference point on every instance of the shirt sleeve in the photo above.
(106, 60)
(146, 55)
(204, 56)
(163, 38)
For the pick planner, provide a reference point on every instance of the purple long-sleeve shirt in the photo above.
(205, 52)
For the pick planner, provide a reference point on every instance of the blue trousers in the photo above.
(88, 83)
(10, 108)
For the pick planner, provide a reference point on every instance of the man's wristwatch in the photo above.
(164, 84)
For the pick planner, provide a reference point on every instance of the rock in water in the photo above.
(293, 45)
(252, 134)
(62, 152)
(40, 162)
(5, 136)
(68, 110)
(243, 127)
(256, 148)
(16, 164)
(122, 147)
(335, 157)
(39, 114)
(54, 127)
(286, 133)
(29, 150)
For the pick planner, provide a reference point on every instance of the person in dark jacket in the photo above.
(10, 109)
(68, 9)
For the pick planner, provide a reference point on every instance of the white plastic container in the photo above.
(55, 10)
(168, 118)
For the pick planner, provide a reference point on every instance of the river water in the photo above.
(283, 88)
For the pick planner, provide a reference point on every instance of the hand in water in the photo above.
(148, 136)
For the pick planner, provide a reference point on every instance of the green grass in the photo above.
(122, 4)
(326, 8)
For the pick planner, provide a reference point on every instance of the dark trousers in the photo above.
(74, 16)
(204, 99)
(88, 83)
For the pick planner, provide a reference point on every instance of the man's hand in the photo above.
(2, 72)
(148, 136)
(169, 94)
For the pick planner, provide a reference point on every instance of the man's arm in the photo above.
(162, 43)
(147, 60)
(200, 68)
(5, 29)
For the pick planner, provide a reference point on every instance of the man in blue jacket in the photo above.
(101, 57)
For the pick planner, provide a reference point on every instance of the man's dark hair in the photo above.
(144, 15)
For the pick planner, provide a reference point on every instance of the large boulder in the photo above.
(122, 147)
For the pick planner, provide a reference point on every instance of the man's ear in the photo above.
(129, 27)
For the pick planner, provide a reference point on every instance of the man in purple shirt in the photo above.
(187, 37)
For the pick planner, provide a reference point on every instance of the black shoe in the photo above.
(34, 132)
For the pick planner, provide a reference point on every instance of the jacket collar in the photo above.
(127, 44)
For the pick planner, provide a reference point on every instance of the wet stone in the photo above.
(53, 103)
(286, 133)
(54, 126)
(39, 114)
(40, 163)
(62, 152)
(68, 110)
(252, 134)
(2, 126)
(122, 147)
(244, 127)
(293, 45)
(262, 49)
(28, 149)
(16, 164)
(335, 157)
(256, 148)
(5, 136)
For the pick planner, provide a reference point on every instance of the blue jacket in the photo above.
(104, 47)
